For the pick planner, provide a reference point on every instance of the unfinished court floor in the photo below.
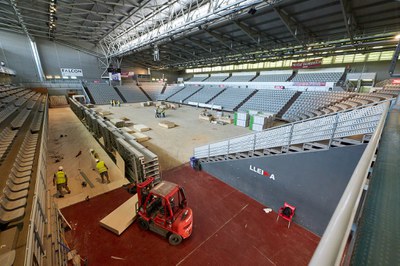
(229, 227)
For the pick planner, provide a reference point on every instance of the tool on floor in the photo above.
(86, 179)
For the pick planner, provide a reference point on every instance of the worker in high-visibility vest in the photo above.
(103, 170)
(60, 178)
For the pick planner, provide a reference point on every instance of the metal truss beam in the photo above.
(294, 27)
(255, 34)
(20, 19)
(181, 48)
(349, 20)
(223, 40)
(177, 19)
(199, 44)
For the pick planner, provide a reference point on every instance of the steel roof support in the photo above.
(294, 27)
(31, 41)
(223, 40)
(181, 48)
(348, 17)
(163, 23)
(199, 44)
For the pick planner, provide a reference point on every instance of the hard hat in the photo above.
(97, 160)
(60, 168)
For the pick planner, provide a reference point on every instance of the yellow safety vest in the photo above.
(101, 167)
(61, 177)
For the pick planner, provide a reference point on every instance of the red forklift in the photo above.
(163, 209)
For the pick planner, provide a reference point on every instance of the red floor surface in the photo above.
(229, 229)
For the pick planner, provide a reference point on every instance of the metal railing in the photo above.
(357, 121)
(36, 247)
(139, 161)
(332, 244)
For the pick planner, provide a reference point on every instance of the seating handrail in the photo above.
(292, 133)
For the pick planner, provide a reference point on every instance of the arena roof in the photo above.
(191, 33)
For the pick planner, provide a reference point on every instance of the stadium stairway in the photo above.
(164, 88)
(145, 93)
(292, 76)
(89, 94)
(257, 74)
(215, 96)
(245, 100)
(288, 104)
(120, 95)
(193, 94)
(174, 93)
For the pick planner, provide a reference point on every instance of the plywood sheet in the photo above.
(140, 137)
(128, 130)
(141, 128)
(122, 217)
(167, 124)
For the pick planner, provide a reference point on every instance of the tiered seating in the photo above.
(271, 101)
(6, 112)
(183, 94)
(9, 99)
(16, 190)
(317, 77)
(309, 103)
(102, 93)
(387, 93)
(231, 98)
(241, 77)
(6, 138)
(169, 91)
(217, 77)
(31, 104)
(19, 120)
(205, 94)
(273, 76)
(153, 89)
(132, 93)
(36, 123)
(197, 78)
(357, 100)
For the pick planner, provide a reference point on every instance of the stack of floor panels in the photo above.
(167, 124)
(141, 128)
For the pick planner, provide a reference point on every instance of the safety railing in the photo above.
(361, 120)
(36, 246)
(139, 161)
(333, 242)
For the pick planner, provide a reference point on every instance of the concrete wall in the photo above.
(55, 56)
(16, 52)
(311, 181)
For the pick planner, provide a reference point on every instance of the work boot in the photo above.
(61, 196)
(108, 182)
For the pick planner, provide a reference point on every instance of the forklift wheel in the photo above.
(143, 223)
(174, 239)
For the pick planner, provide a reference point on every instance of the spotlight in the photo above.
(252, 11)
